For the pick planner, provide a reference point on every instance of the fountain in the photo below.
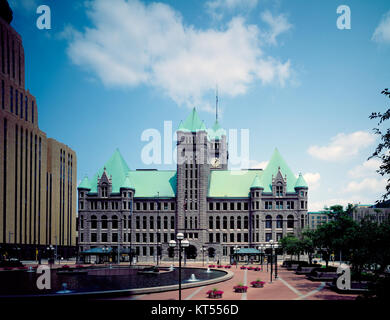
(64, 289)
(171, 268)
(208, 270)
(192, 278)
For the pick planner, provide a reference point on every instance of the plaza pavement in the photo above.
(288, 286)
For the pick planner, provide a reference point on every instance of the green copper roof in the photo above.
(256, 182)
(192, 123)
(84, 184)
(231, 183)
(127, 183)
(216, 132)
(117, 168)
(149, 184)
(272, 168)
(301, 183)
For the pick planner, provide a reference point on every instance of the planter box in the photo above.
(257, 285)
(240, 289)
(215, 294)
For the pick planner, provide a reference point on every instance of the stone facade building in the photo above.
(140, 211)
(375, 213)
(37, 174)
(317, 218)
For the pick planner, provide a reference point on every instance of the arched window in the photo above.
(158, 222)
(196, 222)
(165, 222)
(224, 223)
(129, 226)
(144, 224)
(302, 221)
(279, 221)
(238, 222)
(218, 223)
(245, 222)
(93, 222)
(114, 222)
(290, 221)
(231, 222)
(268, 222)
(104, 222)
(137, 222)
(172, 222)
(151, 222)
(211, 223)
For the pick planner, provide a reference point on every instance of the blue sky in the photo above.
(108, 70)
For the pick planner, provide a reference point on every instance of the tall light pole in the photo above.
(271, 245)
(276, 246)
(236, 249)
(203, 251)
(182, 243)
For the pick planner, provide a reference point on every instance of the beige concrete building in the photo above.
(37, 174)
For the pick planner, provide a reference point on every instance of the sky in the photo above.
(108, 72)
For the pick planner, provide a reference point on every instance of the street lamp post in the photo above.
(182, 243)
(276, 246)
(236, 249)
(261, 248)
(271, 245)
(203, 251)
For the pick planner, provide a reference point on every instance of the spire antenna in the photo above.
(216, 102)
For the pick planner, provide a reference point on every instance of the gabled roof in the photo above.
(192, 123)
(85, 184)
(301, 183)
(231, 183)
(256, 182)
(117, 168)
(271, 170)
(216, 132)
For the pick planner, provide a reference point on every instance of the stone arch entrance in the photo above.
(191, 252)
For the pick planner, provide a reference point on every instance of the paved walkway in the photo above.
(288, 286)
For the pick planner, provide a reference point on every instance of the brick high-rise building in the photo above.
(37, 174)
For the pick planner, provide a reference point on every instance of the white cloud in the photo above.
(253, 164)
(217, 8)
(371, 185)
(312, 180)
(367, 169)
(133, 44)
(382, 31)
(343, 146)
(277, 24)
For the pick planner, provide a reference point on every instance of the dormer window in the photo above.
(279, 191)
(104, 192)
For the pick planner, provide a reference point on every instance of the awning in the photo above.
(97, 251)
(248, 251)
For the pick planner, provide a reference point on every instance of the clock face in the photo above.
(215, 162)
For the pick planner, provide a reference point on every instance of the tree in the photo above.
(381, 150)
(308, 243)
(336, 235)
(291, 245)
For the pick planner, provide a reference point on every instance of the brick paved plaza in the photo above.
(288, 286)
